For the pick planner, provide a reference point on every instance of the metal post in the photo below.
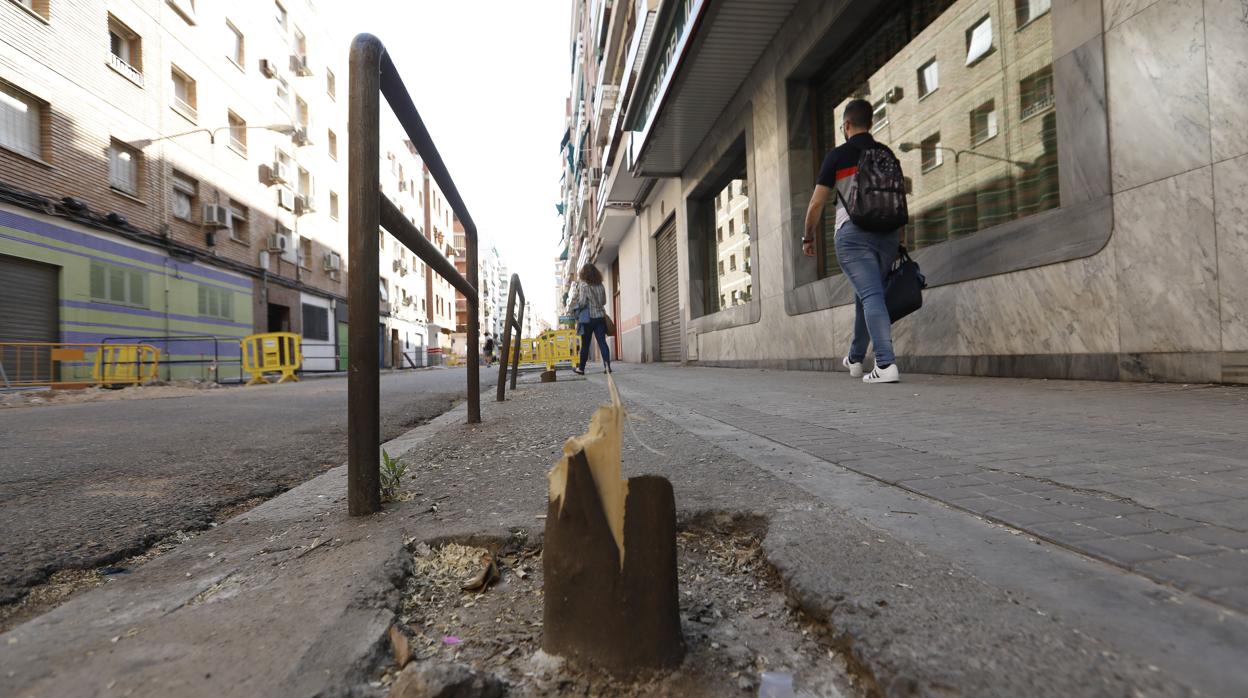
(363, 221)
(502, 365)
(474, 332)
(515, 366)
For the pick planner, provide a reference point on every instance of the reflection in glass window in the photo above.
(929, 78)
(728, 254)
(984, 152)
(979, 40)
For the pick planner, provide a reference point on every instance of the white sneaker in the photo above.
(855, 369)
(883, 375)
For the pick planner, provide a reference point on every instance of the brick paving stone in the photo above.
(1163, 522)
(1198, 574)
(1026, 518)
(1122, 551)
(1179, 545)
(1117, 526)
(1067, 532)
(1217, 535)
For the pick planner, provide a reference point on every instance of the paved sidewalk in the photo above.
(1151, 478)
(294, 597)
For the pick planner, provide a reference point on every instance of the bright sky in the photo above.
(490, 78)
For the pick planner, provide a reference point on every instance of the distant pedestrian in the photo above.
(487, 350)
(866, 239)
(588, 299)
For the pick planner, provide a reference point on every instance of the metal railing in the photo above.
(512, 327)
(372, 76)
(214, 366)
(65, 365)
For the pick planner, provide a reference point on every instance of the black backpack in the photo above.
(877, 197)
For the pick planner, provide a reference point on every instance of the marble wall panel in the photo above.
(1068, 308)
(1081, 123)
(1226, 31)
(1075, 22)
(1118, 11)
(1158, 93)
(1230, 206)
(1165, 248)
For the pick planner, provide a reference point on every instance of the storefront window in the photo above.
(728, 287)
(979, 151)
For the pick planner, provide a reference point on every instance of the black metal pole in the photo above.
(474, 334)
(363, 220)
(507, 325)
(515, 361)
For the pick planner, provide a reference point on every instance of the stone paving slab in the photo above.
(1151, 478)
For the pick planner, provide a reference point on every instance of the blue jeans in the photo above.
(598, 328)
(866, 259)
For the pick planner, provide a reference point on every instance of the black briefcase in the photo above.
(903, 289)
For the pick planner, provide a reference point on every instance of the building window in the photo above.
(113, 284)
(315, 322)
(332, 141)
(300, 44)
(1029, 10)
(283, 19)
(126, 50)
(238, 133)
(719, 231)
(721, 267)
(185, 192)
(123, 168)
(929, 78)
(933, 155)
(732, 227)
(184, 8)
(305, 188)
(235, 45)
(216, 302)
(979, 40)
(282, 92)
(1035, 93)
(184, 100)
(1007, 153)
(333, 205)
(714, 225)
(39, 7)
(305, 252)
(330, 87)
(984, 123)
(302, 116)
(238, 222)
(879, 115)
(21, 120)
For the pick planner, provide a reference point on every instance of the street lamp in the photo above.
(957, 153)
(284, 129)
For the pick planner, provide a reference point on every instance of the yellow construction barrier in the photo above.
(125, 364)
(65, 365)
(555, 346)
(272, 352)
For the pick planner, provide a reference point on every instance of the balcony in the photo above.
(130, 72)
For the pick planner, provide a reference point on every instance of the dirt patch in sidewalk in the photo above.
(156, 391)
(736, 622)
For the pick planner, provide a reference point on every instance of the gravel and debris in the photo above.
(735, 617)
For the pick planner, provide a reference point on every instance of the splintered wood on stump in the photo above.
(609, 557)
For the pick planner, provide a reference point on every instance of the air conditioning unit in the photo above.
(399, 267)
(278, 242)
(286, 199)
(332, 262)
(216, 216)
(402, 185)
(304, 206)
(299, 66)
(268, 68)
(276, 173)
(300, 138)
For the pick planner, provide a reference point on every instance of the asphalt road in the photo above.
(83, 485)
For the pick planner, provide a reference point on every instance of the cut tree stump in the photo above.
(548, 376)
(609, 557)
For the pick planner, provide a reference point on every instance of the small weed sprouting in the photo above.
(392, 472)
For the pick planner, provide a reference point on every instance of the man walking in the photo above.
(866, 256)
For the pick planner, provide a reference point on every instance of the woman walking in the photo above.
(588, 298)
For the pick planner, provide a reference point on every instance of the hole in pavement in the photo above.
(736, 619)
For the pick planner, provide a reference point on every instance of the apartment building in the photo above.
(1053, 150)
(440, 230)
(171, 168)
(404, 302)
